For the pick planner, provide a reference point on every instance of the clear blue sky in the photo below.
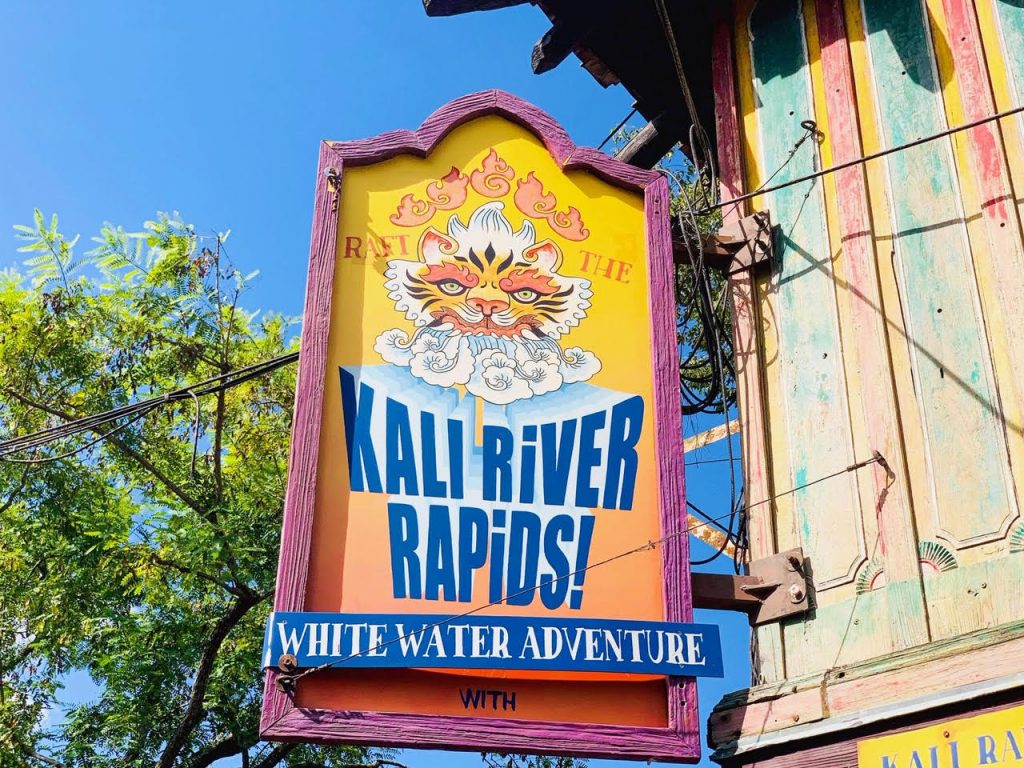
(115, 110)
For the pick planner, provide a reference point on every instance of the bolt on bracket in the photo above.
(776, 588)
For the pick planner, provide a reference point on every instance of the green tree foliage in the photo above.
(148, 559)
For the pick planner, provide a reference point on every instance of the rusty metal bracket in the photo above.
(776, 588)
(740, 245)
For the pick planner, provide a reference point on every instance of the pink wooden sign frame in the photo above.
(281, 719)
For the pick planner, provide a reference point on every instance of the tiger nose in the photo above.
(488, 307)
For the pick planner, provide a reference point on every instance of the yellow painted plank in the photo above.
(999, 266)
(855, 399)
(1005, 93)
(885, 503)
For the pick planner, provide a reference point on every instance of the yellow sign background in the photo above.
(988, 739)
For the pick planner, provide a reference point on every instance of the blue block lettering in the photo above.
(497, 463)
(440, 570)
(401, 456)
(358, 443)
(624, 434)
(523, 552)
(403, 532)
(589, 457)
(472, 548)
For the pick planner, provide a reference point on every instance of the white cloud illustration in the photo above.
(393, 346)
(579, 365)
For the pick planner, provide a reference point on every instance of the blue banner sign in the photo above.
(493, 642)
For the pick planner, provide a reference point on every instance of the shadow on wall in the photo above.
(901, 22)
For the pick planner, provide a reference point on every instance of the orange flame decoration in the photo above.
(445, 194)
(531, 199)
(492, 179)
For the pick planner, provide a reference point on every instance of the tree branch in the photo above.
(46, 760)
(226, 747)
(16, 493)
(194, 711)
(146, 464)
(193, 572)
(276, 755)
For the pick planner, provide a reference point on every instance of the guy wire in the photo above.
(647, 547)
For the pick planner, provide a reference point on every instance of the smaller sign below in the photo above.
(988, 739)
(488, 642)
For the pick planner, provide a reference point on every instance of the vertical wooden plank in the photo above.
(1001, 264)
(766, 313)
(869, 338)
(1010, 18)
(826, 517)
(971, 499)
(994, 234)
(769, 665)
(1001, 25)
(900, 350)
(810, 352)
(861, 441)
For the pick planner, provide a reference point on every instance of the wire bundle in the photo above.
(128, 414)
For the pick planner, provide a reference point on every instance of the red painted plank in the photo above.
(976, 94)
(727, 126)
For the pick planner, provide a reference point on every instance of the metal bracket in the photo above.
(743, 244)
(776, 588)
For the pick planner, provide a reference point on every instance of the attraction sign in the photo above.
(484, 542)
(991, 738)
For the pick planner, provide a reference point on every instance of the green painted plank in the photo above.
(1011, 23)
(959, 406)
(842, 633)
(810, 352)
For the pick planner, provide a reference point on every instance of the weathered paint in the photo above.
(809, 350)
(875, 407)
(957, 398)
(766, 319)
(1011, 23)
(867, 258)
(748, 361)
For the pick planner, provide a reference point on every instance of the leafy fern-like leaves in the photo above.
(53, 259)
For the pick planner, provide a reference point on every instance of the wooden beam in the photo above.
(710, 535)
(738, 246)
(554, 47)
(653, 141)
(881, 693)
(724, 592)
(775, 589)
(456, 7)
(712, 435)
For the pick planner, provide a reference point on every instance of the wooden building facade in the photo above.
(891, 321)
(889, 324)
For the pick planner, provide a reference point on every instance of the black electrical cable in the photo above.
(133, 411)
(617, 128)
(866, 158)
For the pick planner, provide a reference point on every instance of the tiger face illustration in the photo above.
(489, 306)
